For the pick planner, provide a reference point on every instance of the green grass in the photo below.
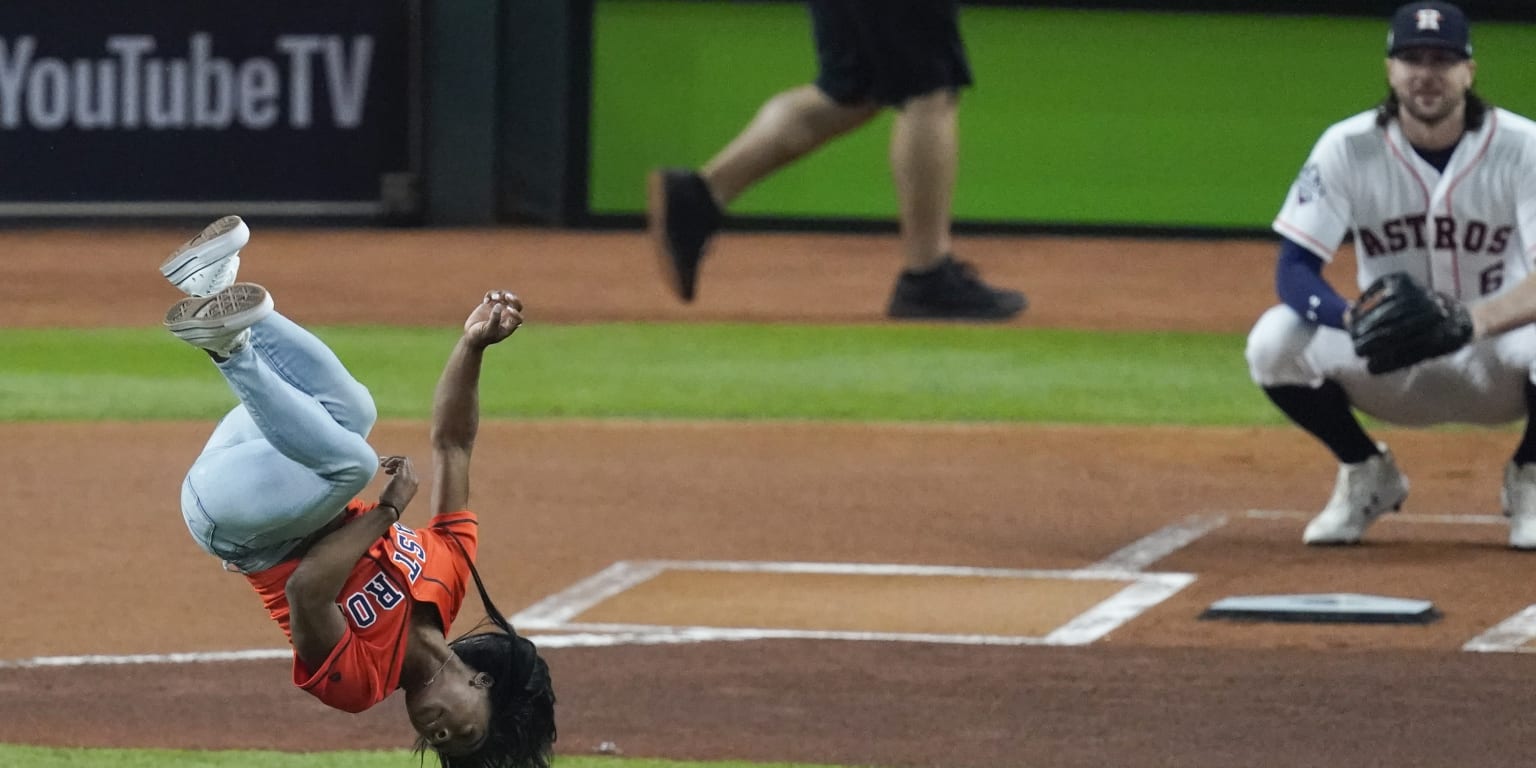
(39, 757)
(864, 373)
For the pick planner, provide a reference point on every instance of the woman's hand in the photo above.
(402, 483)
(494, 319)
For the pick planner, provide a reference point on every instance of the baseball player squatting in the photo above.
(366, 602)
(1439, 189)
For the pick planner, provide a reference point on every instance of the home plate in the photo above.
(1330, 608)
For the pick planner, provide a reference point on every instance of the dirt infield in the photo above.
(103, 566)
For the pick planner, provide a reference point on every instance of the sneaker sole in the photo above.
(924, 313)
(656, 227)
(233, 309)
(228, 234)
(952, 317)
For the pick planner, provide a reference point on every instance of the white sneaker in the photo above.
(1363, 492)
(220, 323)
(1519, 497)
(208, 263)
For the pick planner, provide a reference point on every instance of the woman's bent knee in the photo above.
(354, 473)
(366, 413)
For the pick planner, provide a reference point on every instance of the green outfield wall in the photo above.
(1078, 118)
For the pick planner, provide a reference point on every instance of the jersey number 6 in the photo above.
(1490, 279)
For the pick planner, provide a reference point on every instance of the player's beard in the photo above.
(1447, 106)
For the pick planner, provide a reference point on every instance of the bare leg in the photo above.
(787, 127)
(924, 153)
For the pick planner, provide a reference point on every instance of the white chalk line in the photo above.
(1142, 592)
(1160, 544)
(549, 620)
(1394, 517)
(572, 640)
(1109, 615)
(571, 602)
(1508, 636)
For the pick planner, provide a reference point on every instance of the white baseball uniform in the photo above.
(1469, 232)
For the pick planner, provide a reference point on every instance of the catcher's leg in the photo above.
(1482, 383)
(1324, 413)
(1518, 496)
(1288, 357)
(1525, 452)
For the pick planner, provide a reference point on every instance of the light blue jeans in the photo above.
(288, 458)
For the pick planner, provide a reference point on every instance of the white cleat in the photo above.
(208, 263)
(1519, 497)
(1362, 493)
(220, 323)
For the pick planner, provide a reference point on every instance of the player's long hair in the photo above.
(1476, 112)
(521, 729)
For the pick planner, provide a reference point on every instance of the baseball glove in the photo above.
(1398, 323)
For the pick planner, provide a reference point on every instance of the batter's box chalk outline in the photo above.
(1511, 635)
(556, 612)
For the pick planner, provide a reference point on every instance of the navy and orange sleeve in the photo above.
(465, 527)
(452, 542)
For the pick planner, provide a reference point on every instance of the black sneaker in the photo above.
(681, 216)
(952, 291)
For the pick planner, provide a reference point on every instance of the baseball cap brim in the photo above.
(1398, 46)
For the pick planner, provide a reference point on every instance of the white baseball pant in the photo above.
(1482, 383)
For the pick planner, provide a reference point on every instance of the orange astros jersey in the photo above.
(402, 568)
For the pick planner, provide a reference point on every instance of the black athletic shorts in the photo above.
(888, 51)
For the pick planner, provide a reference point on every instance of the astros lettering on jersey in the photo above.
(405, 567)
(1467, 232)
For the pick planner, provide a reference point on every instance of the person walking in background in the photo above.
(1439, 188)
(872, 54)
(366, 602)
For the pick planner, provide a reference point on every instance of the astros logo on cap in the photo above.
(1428, 18)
